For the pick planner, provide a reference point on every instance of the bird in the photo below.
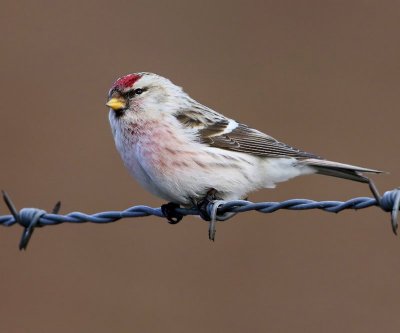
(188, 154)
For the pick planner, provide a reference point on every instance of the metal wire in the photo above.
(219, 210)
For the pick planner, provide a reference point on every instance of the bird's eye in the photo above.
(134, 92)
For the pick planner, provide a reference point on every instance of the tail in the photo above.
(339, 170)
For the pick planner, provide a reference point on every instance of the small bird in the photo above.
(189, 154)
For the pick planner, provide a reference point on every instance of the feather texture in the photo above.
(179, 149)
(220, 132)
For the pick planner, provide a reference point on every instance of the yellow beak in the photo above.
(116, 104)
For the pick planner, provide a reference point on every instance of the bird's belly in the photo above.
(144, 172)
(184, 174)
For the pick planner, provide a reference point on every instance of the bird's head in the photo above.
(144, 94)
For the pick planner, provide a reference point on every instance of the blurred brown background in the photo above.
(322, 75)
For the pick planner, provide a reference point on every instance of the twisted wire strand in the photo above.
(235, 206)
(218, 210)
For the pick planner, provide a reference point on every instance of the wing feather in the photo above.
(247, 140)
(217, 131)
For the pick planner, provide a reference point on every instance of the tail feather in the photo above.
(340, 170)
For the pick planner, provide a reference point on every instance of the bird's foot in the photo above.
(169, 211)
(202, 206)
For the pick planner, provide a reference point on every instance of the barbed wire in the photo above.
(218, 210)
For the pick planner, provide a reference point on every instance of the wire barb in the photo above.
(29, 218)
(390, 202)
(217, 210)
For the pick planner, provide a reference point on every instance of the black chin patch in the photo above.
(119, 113)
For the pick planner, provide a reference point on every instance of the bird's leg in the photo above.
(169, 211)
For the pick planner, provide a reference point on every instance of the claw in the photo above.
(169, 211)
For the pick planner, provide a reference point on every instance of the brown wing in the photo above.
(217, 131)
(247, 140)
